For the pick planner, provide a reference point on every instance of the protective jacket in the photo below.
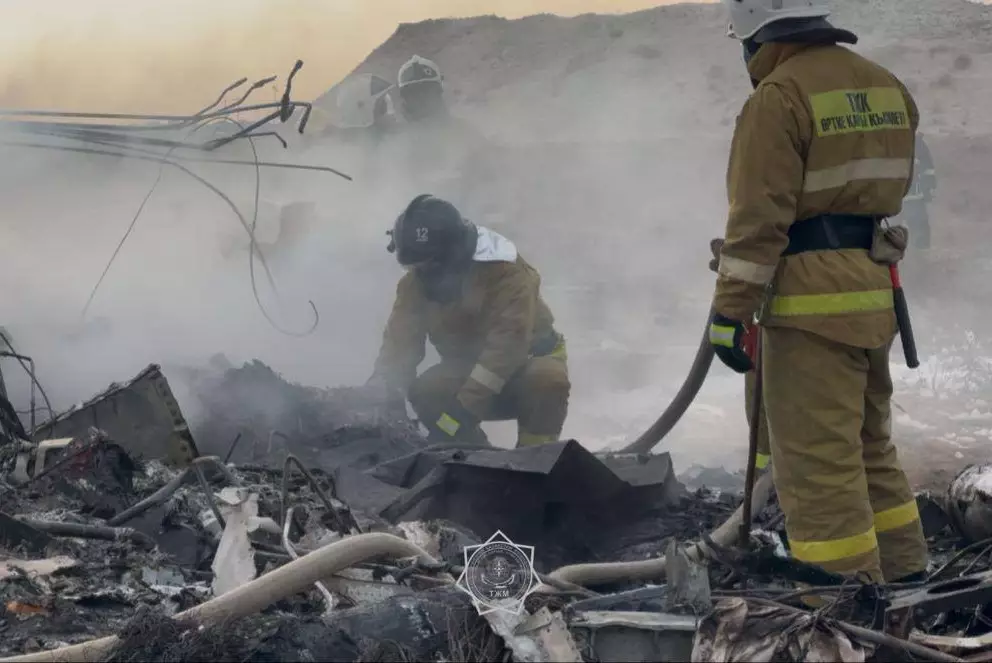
(806, 144)
(496, 326)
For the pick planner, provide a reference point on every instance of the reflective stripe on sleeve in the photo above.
(859, 169)
(745, 270)
(487, 378)
(448, 424)
(722, 336)
(761, 461)
(832, 304)
(896, 517)
(818, 552)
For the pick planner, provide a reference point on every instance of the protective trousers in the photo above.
(536, 396)
(847, 503)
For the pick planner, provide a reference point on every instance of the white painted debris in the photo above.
(35, 567)
(539, 638)
(234, 563)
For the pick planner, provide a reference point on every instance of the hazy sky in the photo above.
(169, 55)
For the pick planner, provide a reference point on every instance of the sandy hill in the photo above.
(671, 70)
(663, 76)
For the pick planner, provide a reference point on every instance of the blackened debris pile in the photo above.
(94, 542)
(326, 427)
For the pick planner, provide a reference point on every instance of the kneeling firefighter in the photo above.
(822, 154)
(479, 302)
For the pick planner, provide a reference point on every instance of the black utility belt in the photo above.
(545, 345)
(831, 232)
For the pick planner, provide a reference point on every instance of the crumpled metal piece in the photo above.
(969, 502)
(737, 630)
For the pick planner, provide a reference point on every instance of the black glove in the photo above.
(454, 419)
(731, 340)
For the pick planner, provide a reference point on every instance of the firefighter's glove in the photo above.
(730, 340)
(716, 244)
(454, 419)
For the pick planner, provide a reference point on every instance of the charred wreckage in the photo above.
(321, 529)
(318, 530)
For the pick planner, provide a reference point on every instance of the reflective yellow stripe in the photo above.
(832, 304)
(448, 424)
(722, 335)
(898, 516)
(560, 351)
(761, 461)
(858, 169)
(859, 111)
(487, 378)
(745, 270)
(533, 439)
(818, 552)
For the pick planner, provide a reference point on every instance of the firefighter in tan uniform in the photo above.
(479, 303)
(821, 154)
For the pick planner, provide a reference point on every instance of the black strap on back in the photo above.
(831, 232)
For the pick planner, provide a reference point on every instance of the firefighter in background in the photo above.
(469, 291)
(435, 149)
(822, 151)
(421, 88)
(915, 214)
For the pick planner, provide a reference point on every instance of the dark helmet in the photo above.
(431, 231)
(421, 88)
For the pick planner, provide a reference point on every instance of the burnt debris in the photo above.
(172, 555)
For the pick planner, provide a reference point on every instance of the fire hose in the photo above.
(683, 398)
(262, 592)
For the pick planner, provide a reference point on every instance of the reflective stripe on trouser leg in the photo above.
(433, 390)
(901, 543)
(814, 401)
(764, 453)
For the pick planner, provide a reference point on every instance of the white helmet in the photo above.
(747, 17)
(418, 70)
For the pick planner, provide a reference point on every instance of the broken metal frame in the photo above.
(281, 110)
(959, 593)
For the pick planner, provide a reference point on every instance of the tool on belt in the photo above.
(902, 319)
(886, 246)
